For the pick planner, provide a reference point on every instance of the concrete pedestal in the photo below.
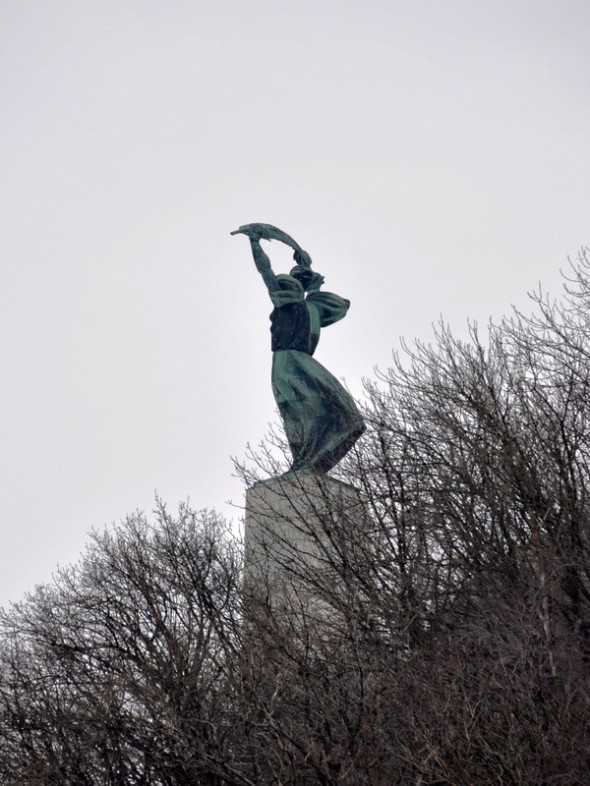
(292, 530)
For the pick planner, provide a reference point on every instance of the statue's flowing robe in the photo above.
(321, 419)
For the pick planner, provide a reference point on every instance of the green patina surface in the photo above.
(321, 420)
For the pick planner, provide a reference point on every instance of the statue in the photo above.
(321, 420)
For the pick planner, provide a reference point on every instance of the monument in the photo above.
(284, 531)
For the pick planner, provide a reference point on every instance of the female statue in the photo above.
(321, 420)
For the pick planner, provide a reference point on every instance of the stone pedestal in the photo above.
(294, 525)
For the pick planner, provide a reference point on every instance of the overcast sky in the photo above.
(433, 156)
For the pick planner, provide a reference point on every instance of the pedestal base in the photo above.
(293, 526)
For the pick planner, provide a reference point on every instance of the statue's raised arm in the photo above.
(321, 420)
(263, 265)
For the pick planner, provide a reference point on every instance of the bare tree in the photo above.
(119, 672)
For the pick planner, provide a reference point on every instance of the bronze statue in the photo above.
(321, 420)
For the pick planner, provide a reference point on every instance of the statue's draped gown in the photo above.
(321, 419)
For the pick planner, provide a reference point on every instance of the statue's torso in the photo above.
(289, 327)
(295, 326)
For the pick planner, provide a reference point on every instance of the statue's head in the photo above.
(303, 274)
(307, 277)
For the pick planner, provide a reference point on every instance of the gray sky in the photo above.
(432, 156)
